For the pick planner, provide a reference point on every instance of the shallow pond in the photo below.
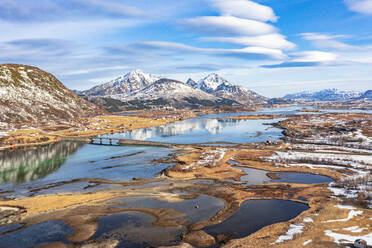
(135, 229)
(256, 214)
(36, 235)
(23, 170)
(201, 208)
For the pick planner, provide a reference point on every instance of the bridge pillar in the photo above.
(100, 141)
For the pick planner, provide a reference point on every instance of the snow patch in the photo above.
(294, 229)
(344, 238)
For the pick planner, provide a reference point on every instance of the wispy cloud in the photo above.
(275, 40)
(228, 25)
(50, 10)
(291, 65)
(245, 9)
(251, 53)
(360, 6)
(63, 29)
(314, 56)
(328, 41)
(307, 59)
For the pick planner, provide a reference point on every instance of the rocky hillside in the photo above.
(28, 94)
(323, 95)
(220, 87)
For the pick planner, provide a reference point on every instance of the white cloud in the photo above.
(245, 9)
(314, 56)
(246, 53)
(229, 25)
(328, 41)
(62, 29)
(360, 6)
(275, 40)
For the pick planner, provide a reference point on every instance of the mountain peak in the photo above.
(218, 86)
(211, 82)
(130, 82)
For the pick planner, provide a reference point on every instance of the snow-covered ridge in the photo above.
(324, 95)
(130, 82)
(137, 84)
(166, 89)
(220, 87)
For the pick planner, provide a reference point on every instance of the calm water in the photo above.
(255, 214)
(135, 229)
(36, 235)
(208, 206)
(212, 128)
(204, 129)
(22, 170)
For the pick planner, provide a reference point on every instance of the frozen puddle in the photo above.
(255, 176)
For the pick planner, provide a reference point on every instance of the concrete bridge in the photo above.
(104, 141)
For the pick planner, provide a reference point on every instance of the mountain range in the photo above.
(324, 95)
(138, 90)
(220, 87)
(28, 94)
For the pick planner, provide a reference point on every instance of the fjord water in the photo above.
(213, 128)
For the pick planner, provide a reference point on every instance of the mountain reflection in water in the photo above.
(27, 165)
(200, 130)
(213, 126)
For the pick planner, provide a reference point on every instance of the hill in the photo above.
(28, 94)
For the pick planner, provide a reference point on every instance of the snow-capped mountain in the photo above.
(367, 94)
(28, 94)
(130, 82)
(138, 90)
(220, 87)
(167, 89)
(210, 83)
(324, 95)
(172, 93)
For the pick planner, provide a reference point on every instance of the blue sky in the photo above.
(271, 46)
